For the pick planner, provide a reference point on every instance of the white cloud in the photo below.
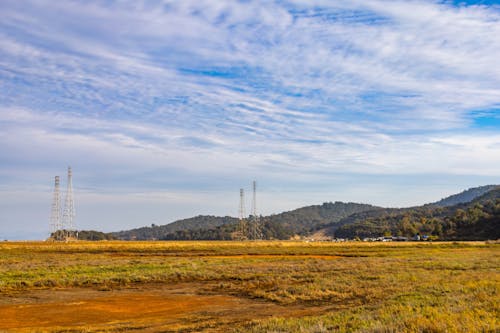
(208, 92)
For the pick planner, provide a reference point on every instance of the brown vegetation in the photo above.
(249, 286)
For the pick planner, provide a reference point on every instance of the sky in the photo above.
(165, 109)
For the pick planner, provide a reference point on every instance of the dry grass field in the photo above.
(249, 287)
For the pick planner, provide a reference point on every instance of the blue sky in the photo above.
(164, 109)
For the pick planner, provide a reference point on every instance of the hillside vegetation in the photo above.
(300, 221)
(470, 215)
(161, 231)
(475, 220)
(465, 196)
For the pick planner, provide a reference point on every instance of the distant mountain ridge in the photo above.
(330, 219)
(464, 196)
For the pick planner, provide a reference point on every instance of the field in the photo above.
(249, 287)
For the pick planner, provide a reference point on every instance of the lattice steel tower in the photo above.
(69, 205)
(55, 216)
(242, 229)
(255, 230)
(254, 200)
(241, 211)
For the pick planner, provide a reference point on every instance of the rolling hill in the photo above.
(159, 232)
(284, 225)
(471, 214)
(465, 196)
(478, 219)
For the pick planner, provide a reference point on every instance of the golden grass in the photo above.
(344, 287)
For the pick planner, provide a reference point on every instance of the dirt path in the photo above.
(149, 309)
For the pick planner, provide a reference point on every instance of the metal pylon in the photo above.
(55, 216)
(255, 230)
(69, 205)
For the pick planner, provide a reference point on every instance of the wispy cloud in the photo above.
(218, 90)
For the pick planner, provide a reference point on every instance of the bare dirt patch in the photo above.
(148, 309)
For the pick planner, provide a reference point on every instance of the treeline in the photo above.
(89, 235)
(270, 230)
(168, 231)
(92, 235)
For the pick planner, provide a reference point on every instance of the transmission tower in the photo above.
(55, 216)
(255, 230)
(254, 199)
(69, 205)
(242, 230)
(241, 212)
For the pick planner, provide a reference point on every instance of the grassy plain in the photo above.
(249, 287)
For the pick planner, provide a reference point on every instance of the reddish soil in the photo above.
(149, 309)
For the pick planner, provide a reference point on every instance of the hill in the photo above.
(308, 219)
(348, 220)
(478, 219)
(465, 196)
(160, 232)
(301, 221)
